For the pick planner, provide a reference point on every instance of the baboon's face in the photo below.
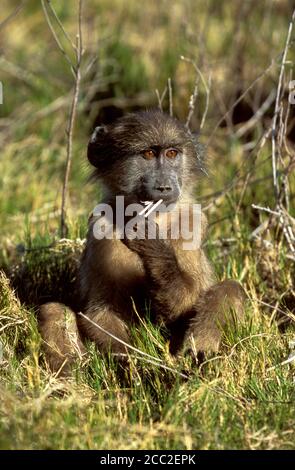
(146, 157)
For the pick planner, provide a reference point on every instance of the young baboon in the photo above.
(148, 156)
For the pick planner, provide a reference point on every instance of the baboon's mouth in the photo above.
(156, 205)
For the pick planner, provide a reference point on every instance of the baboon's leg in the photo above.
(62, 343)
(202, 326)
(111, 323)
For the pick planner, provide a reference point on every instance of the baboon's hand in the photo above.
(143, 238)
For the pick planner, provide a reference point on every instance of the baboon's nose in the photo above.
(163, 188)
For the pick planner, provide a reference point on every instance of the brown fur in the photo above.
(61, 340)
(180, 284)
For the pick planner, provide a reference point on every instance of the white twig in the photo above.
(291, 358)
(195, 93)
(277, 107)
(274, 307)
(161, 98)
(76, 70)
(241, 97)
(162, 366)
(170, 97)
(265, 209)
(191, 104)
(128, 346)
(207, 102)
(151, 359)
(257, 116)
(153, 208)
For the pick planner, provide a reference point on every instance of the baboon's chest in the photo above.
(121, 275)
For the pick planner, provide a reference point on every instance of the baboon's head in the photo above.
(145, 156)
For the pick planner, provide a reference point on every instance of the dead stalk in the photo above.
(76, 71)
(170, 97)
(194, 95)
(278, 107)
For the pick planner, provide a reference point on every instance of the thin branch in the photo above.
(265, 209)
(128, 346)
(161, 98)
(76, 70)
(158, 364)
(275, 308)
(241, 97)
(71, 124)
(12, 15)
(60, 24)
(144, 356)
(191, 104)
(170, 97)
(257, 116)
(277, 107)
(59, 45)
(149, 333)
(195, 93)
(207, 101)
(290, 359)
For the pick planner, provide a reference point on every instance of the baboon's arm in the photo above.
(171, 289)
(201, 327)
(115, 332)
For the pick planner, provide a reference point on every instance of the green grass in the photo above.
(241, 398)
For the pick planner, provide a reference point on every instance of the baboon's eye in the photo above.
(149, 154)
(171, 153)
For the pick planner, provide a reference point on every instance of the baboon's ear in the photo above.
(96, 145)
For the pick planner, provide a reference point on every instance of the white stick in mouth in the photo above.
(147, 205)
(150, 207)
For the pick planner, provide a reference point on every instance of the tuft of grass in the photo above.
(240, 398)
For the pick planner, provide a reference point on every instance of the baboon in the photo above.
(145, 156)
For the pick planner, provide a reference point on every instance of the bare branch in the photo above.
(265, 209)
(170, 97)
(153, 362)
(191, 104)
(207, 102)
(60, 24)
(128, 346)
(161, 98)
(76, 70)
(143, 355)
(59, 45)
(12, 15)
(195, 93)
(241, 97)
(277, 107)
(71, 123)
(257, 116)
